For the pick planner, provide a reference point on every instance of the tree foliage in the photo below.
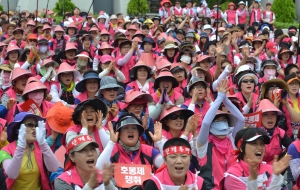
(69, 6)
(284, 10)
(137, 7)
(1, 8)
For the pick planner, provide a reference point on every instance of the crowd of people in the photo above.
(85, 102)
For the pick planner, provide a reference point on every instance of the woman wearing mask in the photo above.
(246, 81)
(293, 82)
(278, 137)
(27, 154)
(36, 91)
(164, 94)
(44, 52)
(169, 175)
(80, 171)
(63, 90)
(13, 95)
(88, 116)
(82, 61)
(214, 143)
(250, 172)
(88, 86)
(269, 71)
(139, 75)
(124, 141)
(47, 72)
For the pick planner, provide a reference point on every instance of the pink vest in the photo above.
(72, 177)
(239, 95)
(201, 111)
(180, 88)
(166, 13)
(254, 18)
(274, 148)
(82, 96)
(174, 97)
(21, 46)
(125, 69)
(45, 183)
(168, 135)
(178, 12)
(243, 18)
(134, 86)
(231, 15)
(163, 178)
(271, 15)
(240, 170)
(46, 83)
(216, 15)
(189, 11)
(75, 21)
(11, 93)
(124, 158)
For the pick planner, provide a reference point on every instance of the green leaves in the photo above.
(284, 10)
(137, 7)
(69, 6)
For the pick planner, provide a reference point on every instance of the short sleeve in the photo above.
(4, 155)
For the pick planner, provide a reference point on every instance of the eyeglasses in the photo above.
(67, 74)
(273, 87)
(1, 49)
(294, 84)
(199, 87)
(126, 47)
(31, 125)
(32, 41)
(112, 89)
(248, 81)
(174, 116)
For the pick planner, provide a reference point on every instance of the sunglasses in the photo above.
(174, 116)
(273, 87)
(112, 89)
(248, 81)
(31, 125)
(1, 49)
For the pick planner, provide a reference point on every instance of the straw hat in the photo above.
(208, 77)
(279, 82)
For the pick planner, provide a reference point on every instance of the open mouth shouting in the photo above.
(91, 162)
(131, 137)
(258, 154)
(179, 169)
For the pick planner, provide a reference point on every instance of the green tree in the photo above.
(1, 8)
(284, 10)
(137, 7)
(69, 6)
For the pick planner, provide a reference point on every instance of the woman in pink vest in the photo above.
(165, 9)
(36, 91)
(294, 151)
(58, 40)
(71, 30)
(175, 174)
(170, 51)
(28, 158)
(107, 67)
(242, 13)
(5, 79)
(255, 11)
(293, 82)
(268, 71)
(180, 73)
(250, 172)
(69, 54)
(87, 45)
(80, 171)
(88, 86)
(88, 117)
(164, 94)
(268, 16)
(105, 49)
(284, 57)
(63, 88)
(19, 79)
(178, 10)
(215, 139)
(176, 123)
(127, 59)
(279, 138)
(13, 53)
(284, 120)
(246, 81)
(77, 19)
(230, 15)
(139, 75)
(124, 145)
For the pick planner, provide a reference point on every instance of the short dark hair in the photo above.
(176, 142)
(289, 67)
(145, 27)
(246, 134)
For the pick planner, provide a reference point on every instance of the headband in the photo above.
(177, 150)
(78, 140)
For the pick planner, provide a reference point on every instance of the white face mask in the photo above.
(43, 49)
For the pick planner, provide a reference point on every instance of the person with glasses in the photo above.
(109, 89)
(250, 171)
(215, 139)
(267, 92)
(246, 81)
(63, 89)
(32, 40)
(290, 69)
(200, 98)
(27, 158)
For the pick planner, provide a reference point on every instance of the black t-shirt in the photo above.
(150, 185)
